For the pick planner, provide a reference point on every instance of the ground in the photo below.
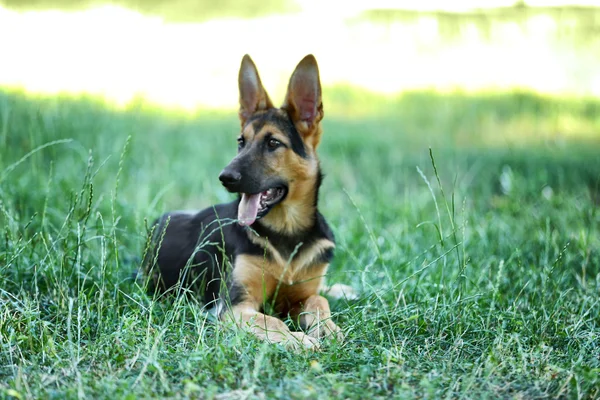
(468, 224)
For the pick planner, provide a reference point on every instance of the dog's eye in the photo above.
(241, 142)
(273, 143)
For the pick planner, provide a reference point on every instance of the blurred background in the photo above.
(186, 53)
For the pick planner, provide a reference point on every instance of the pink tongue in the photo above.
(248, 209)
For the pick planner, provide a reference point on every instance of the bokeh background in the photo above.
(462, 156)
(184, 53)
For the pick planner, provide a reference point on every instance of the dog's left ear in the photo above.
(303, 100)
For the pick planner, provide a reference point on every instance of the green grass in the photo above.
(467, 289)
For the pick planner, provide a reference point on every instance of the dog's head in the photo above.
(276, 170)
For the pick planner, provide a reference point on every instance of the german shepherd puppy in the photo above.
(274, 240)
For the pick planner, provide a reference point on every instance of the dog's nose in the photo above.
(229, 177)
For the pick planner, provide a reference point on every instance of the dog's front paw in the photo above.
(300, 340)
(326, 329)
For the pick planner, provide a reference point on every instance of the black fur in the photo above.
(208, 243)
(198, 250)
(286, 245)
(205, 242)
(285, 125)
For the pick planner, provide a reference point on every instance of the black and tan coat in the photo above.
(271, 245)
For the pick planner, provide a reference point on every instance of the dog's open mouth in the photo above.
(257, 205)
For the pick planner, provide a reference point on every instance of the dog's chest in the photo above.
(294, 265)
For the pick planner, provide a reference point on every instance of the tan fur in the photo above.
(270, 328)
(305, 83)
(253, 96)
(315, 317)
(261, 281)
(290, 215)
(296, 270)
(265, 280)
(291, 286)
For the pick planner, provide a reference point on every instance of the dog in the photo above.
(271, 246)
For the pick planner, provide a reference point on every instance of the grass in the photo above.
(478, 265)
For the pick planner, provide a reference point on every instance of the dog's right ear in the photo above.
(253, 96)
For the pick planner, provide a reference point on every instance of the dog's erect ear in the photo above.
(253, 96)
(303, 100)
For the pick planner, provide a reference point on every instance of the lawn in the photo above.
(469, 225)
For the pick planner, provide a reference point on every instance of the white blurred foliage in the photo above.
(506, 179)
(120, 54)
(547, 192)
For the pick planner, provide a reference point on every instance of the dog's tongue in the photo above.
(248, 209)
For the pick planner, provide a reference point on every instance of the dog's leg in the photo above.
(315, 318)
(270, 328)
(252, 287)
